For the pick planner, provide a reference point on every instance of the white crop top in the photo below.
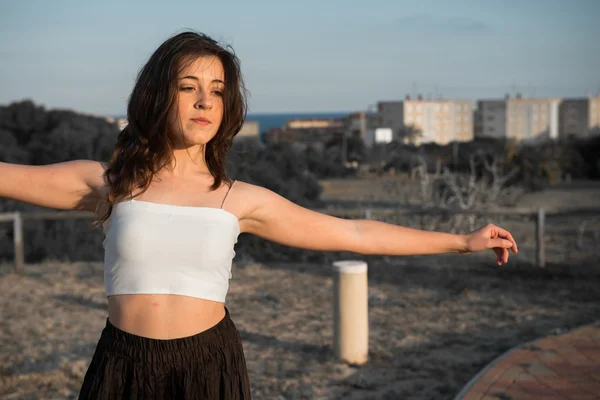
(153, 248)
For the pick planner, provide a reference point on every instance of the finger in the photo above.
(501, 243)
(502, 233)
(501, 254)
(498, 252)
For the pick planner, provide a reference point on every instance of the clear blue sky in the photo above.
(306, 56)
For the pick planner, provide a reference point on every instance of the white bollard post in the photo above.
(18, 241)
(350, 311)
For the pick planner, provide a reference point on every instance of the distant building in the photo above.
(314, 123)
(309, 131)
(249, 129)
(391, 115)
(477, 123)
(440, 121)
(378, 136)
(490, 119)
(537, 119)
(250, 132)
(594, 115)
(532, 119)
(574, 118)
(361, 124)
(579, 117)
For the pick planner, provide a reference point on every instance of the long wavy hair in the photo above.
(146, 144)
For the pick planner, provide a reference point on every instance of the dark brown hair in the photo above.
(146, 145)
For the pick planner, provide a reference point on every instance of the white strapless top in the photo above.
(154, 248)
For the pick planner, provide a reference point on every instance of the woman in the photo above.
(172, 216)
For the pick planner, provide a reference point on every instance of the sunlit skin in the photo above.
(487, 237)
(198, 113)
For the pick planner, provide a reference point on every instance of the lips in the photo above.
(201, 121)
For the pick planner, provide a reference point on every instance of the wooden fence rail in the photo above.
(538, 215)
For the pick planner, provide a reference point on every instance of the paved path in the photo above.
(554, 367)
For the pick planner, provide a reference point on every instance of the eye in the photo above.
(186, 88)
(218, 92)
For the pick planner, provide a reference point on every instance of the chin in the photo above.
(198, 140)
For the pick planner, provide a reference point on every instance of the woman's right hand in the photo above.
(72, 185)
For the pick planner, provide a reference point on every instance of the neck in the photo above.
(188, 161)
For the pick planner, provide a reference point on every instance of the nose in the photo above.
(204, 102)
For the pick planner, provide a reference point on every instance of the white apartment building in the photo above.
(594, 115)
(440, 121)
(535, 119)
(530, 119)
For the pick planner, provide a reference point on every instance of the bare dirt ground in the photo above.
(434, 321)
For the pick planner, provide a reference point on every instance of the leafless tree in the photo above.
(464, 191)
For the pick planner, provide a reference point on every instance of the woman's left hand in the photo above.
(491, 237)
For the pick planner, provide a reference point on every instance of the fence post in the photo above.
(18, 240)
(350, 311)
(539, 238)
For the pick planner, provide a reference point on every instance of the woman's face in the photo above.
(199, 105)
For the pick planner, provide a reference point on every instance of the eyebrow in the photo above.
(196, 79)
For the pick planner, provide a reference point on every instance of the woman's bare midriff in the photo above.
(163, 316)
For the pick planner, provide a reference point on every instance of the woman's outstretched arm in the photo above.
(72, 185)
(275, 218)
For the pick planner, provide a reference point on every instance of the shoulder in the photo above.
(244, 198)
(254, 192)
(254, 195)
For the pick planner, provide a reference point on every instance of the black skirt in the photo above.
(209, 365)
